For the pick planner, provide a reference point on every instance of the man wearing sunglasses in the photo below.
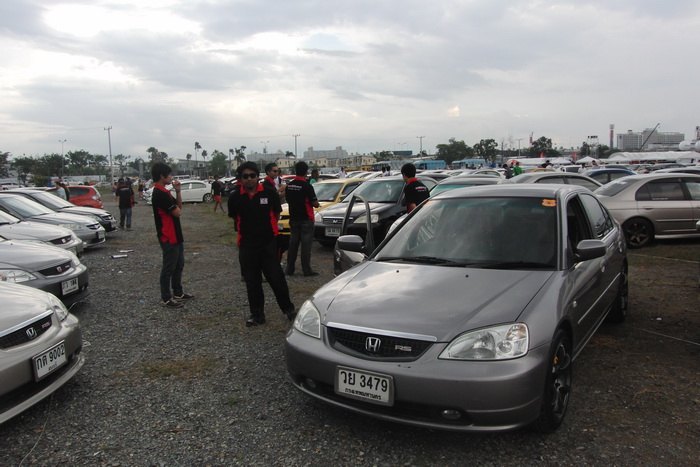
(255, 210)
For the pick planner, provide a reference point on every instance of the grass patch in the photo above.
(181, 369)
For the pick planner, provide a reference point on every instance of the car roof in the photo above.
(513, 190)
(340, 180)
(526, 177)
(466, 180)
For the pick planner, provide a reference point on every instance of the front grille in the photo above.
(62, 240)
(356, 343)
(21, 336)
(94, 226)
(334, 220)
(107, 218)
(56, 270)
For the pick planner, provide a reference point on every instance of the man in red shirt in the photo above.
(255, 210)
(166, 213)
(414, 191)
(301, 199)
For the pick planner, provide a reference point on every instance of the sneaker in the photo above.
(310, 274)
(184, 296)
(171, 304)
(252, 321)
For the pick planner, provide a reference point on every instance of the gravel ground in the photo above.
(195, 387)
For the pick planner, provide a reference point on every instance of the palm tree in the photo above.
(204, 158)
(197, 147)
(240, 157)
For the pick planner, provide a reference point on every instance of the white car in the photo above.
(192, 191)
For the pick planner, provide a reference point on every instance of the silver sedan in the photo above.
(470, 314)
(12, 228)
(40, 345)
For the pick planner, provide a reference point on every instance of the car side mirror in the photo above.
(351, 243)
(589, 249)
(697, 226)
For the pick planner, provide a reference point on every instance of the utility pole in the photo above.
(649, 136)
(519, 140)
(295, 143)
(62, 141)
(421, 144)
(109, 141)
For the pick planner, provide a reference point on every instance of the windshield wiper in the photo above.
(422, 260)
(515, 265)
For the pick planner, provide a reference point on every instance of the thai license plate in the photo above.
(364, 385)
(49, 360)
(71, 285)
(100, 234)
(332, 231)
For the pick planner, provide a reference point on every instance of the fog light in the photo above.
(311, 383)
(451, 414)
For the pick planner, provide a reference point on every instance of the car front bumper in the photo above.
(53, 284)
(429, 392)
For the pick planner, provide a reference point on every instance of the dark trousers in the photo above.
(171, 271)
(302, 233)
(125, 213)
(256, 261)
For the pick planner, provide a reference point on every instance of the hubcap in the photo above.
(561, 379)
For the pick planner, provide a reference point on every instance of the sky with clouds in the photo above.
(367, 75)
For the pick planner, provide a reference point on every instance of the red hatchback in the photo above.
(85, 195)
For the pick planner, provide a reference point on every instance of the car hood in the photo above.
(430, 300)
(33, 231)
(85, 211)
(64, 218)
(20, 304)
(339, 209)
(31, 256)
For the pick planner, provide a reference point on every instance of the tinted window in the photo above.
(613, 188)
(551, 180)
(76, 191)
(326, 191)
(693, 188)
(349, 188)
(582, 182)
(600, 221)
(382, 191)
(661, 190)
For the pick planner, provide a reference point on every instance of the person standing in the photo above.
(217, 188)
(301, 199)
(508, 171)
(273, 180)
(517, 170)
(414, 191)
(314, 176)
(342, 173)
(126, 202)
(255, 210)
(166, 214)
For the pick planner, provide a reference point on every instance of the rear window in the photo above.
(613, 188)
(661, 190)
(78, 191)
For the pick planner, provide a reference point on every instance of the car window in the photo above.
(551, 180)
(76, 191)
(24, 207)
(599, 218)
(694, 188)
(582, 182)
(576, 226)
(614, 187)
(348, 188)
(504, 233)
(661, 190)
(185, 186)
(616, 175)
(380, 191)
(326, 191)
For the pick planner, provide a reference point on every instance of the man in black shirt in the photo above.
(217, 188)
(414, 191)
(301, 199)
(126, 202)
(255, 211)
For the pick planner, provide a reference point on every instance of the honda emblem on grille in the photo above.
(31, 333)
(372, 344)
(59, 268)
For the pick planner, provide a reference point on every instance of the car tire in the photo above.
(207, 198)
(557, 388)
(638, 232)
(618, 312)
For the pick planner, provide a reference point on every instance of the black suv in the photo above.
(386, 203)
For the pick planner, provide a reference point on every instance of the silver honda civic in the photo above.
(470, 314)
(40, 344)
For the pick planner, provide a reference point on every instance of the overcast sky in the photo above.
(367, 75)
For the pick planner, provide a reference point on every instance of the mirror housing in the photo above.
(351, 243)
(589, 249)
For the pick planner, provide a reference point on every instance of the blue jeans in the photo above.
(171, 272)
(125, 213)
(302, 233)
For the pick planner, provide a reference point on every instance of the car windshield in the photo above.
(327, 191)
(51, 200)
(6, 218)
(379, 191)
(615, 187)
(24, 207)
(442, 187)
(494, 233)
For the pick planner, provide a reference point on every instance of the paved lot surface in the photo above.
(195, 387)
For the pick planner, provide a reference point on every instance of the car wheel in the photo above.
(638, 232)
(207, 198)
(557, 387)
(618, 313)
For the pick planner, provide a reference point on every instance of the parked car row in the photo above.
(192, 191)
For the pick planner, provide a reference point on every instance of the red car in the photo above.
(85, 195)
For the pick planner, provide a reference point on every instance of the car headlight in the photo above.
(75, 261)
(70, 226)
(16, 275)
(58, 307)
(308, 320)
(363, 219)
(318, 217)
(496, 343)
